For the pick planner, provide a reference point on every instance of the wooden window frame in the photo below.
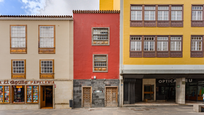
(4, 94)
(136, 53)
(163, 23)
(197, 23)
(13, 95)
(150, 23)
(19, 50)
(156, 53)
(46, 50)
(156, 23)
(197, 54)
(137, 23)
(105, 71)
(93, 36)
(18, 75)
(177, 23)
(176, 54)
(46, 75)
(150, 53)
(163, 53)
(32, 93)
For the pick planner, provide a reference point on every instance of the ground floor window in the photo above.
(18, 94)
(32, 93)
(4, 94)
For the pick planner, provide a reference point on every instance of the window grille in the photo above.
(100, 36)
(46, 66)
(100, 63)
(18, 67)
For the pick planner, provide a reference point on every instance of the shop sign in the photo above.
(173, 81)
(29, 82)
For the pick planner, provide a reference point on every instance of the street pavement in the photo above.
(175, 110)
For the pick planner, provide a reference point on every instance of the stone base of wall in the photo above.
(98, 98)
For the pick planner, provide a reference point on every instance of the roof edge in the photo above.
(96, 11)
(35, 16)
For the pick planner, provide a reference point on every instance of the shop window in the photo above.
(197, 16)
(32, 94)
(100, 63)
(100, 36)
(47, 69)
(135, 46)
(4, 94)
(176, 46)
(197, 46)
(149, 16)
(18, 39)
(18, 69)
(46, 40)
(18, 94)
(163, 16)
(149, 46)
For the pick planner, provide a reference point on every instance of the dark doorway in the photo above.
(132, 91)
(46, 97)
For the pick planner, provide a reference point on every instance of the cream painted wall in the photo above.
(63, 58)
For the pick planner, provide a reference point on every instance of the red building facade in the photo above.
(96, 58)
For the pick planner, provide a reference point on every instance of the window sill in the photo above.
(46, 50)
(18, 50)
(18, 76)
(47, 76)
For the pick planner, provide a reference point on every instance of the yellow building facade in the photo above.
(109, 5)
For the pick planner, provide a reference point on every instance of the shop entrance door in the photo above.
(46, 97)
(111, 96)
(87, 97)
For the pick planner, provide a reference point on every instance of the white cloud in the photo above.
(1, 0)
(58, 7)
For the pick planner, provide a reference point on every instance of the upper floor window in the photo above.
(163, 13)
(47, 69)
(136, 44)
(197, 12)
(46, 39)
(197, 46)
(100, 63)
(136, 12)
(176, 43)
(100, 36)
(176, 13)
(149, 43)
(162, 43)
(18, 69)
(149, 12)
(18, 39)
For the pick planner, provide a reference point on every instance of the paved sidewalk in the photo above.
(178, 110)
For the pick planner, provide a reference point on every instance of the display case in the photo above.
(4, 94)
(32, 95)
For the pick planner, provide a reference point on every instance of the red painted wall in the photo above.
(84, 51)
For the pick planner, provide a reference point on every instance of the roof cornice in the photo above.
(96, 11)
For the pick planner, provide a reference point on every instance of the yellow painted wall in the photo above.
(186, 31)
(109, 4)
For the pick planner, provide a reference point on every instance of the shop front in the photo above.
(162, 88)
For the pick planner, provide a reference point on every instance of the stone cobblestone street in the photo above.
(176, 110)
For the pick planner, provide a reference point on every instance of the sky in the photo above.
(45, 7)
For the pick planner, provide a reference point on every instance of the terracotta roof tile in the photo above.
(38, 16)
(96, 11)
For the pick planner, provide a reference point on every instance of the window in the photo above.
(32, 93)
(163, 13)
(18, 94)
(4, 94)
(100, 36)
(46, 39)
(18, 69)
(149, 12)
(197, 12)
(162, 43)
(176, 13)
(149, 43)
(175, 43)
(166, 46)
(100, 63)
(18, 39)
(136, 12)
(47, 69)
(196, 43)
(196, 46)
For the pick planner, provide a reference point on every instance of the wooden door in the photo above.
(87, 97)
(111, 96)
(43, 96)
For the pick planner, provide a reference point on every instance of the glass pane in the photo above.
(35, 93)
(18, 93)
(1, 94)
(6, 94)
(29, 94)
